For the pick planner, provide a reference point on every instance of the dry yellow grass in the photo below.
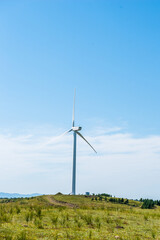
(76, 217)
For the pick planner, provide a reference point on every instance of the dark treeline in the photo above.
(7, 200)
(102, 195)
(146, 203)
(119, 200)
(109, 198)
(149, 203)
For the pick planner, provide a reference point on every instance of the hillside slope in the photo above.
(76, 217)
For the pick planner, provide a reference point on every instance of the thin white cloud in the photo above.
(124, 166)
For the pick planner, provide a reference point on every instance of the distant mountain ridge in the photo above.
(17, 195)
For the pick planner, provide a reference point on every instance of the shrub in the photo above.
(39, 212)
(88, 219)
(148, 204)
(54, 220)
(22, 236)
(18, 210)
(38, 223)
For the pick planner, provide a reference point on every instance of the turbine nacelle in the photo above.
(76, 129)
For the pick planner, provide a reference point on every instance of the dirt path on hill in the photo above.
(55, 202)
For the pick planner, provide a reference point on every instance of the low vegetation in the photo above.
(79, 217)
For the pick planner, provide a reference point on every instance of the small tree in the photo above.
(148, 204)
(126, 202)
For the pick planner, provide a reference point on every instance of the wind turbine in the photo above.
(76, 132)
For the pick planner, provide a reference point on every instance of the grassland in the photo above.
(76, 217)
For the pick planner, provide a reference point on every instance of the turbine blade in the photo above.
(86, 141)
(73, 108)
(66, 132)
(52, 140)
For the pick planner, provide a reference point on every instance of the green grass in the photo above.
(76, 217)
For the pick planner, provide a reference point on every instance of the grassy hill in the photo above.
(76, 217)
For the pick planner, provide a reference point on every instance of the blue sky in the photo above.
(110, 52)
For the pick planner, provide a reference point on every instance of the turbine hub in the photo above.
(76, 129)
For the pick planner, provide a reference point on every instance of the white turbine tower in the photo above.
(75, 132)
